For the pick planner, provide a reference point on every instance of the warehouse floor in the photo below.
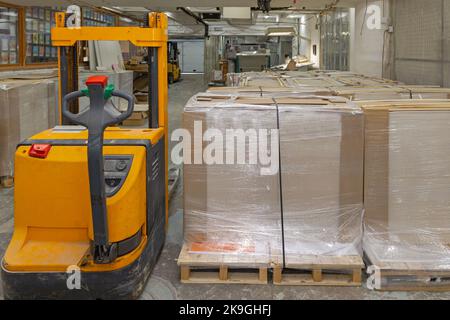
(164, 282)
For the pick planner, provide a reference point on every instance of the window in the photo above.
(335, 39)
(9, 44)
(38, 23)
(92, 18)
(25, 34)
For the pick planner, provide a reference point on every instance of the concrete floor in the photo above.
(164, 282)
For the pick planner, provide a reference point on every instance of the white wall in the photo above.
(422, 41)
(366, 47)
(309, 36)
(315, 40)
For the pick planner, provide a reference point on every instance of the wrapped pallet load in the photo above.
(262, 79)
(308, 216)
(26, 108)
(231, 205)
(322, 179)
(322, 175)
(372, 93)
(267, 92)
(407, 194)
(422, 92)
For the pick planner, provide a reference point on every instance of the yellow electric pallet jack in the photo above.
(91, 198)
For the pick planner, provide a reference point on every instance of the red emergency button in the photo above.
(101, 80)
(39, 150)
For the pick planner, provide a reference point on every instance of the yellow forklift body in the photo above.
(93, 199)
(53, 230)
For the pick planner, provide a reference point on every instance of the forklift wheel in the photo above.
(170, 78)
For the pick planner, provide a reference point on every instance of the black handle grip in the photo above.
(130, 107)
(65, 109)
(83, 117)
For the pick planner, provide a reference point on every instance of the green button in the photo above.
(108, 91)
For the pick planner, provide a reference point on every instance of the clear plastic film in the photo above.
(407, 185)
(272, 91)
(322, 179)
(230, 209)
(236, 210)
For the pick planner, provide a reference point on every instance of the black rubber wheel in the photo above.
(170, 78)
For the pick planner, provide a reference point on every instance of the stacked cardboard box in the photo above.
(230, 208)
(236, 206)
(388, 150)
(322, 176)
(26, 108)
(407, 184)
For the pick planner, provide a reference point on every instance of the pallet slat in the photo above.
(217, 268)
(410, 276)
(7, 182)
(319, 271)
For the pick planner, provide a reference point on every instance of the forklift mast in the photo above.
(172, 47)
(153, 36)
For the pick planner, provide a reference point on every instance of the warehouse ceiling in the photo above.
(283, 12)
(165, 4)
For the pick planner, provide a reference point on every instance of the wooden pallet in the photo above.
(7, 182)
(410, 276)
(319, 271)
(222, 269)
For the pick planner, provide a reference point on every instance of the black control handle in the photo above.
(82, 118)
(99, 115)
(130, 107)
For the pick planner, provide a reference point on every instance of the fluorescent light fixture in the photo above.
(112, 9)
(125, 19)
(132, 9)
(268, 16)
(295, 16)
(280, 32)
(169, 14)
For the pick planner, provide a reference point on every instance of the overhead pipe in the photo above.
(197, 18)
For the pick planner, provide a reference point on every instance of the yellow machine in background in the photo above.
(90, 198)
(173, 63)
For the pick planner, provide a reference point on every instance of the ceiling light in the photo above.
(280, 32)
(112, 9)
(295, 16)
(128, 20)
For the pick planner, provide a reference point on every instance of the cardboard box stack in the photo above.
(348, 144)
(234, 209)
(322, 176)
(26, 108)
(407, 185)
(229, 209)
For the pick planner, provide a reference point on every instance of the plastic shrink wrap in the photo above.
(234, 209)
(322, 176)
(230, 209)
(407, 185)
